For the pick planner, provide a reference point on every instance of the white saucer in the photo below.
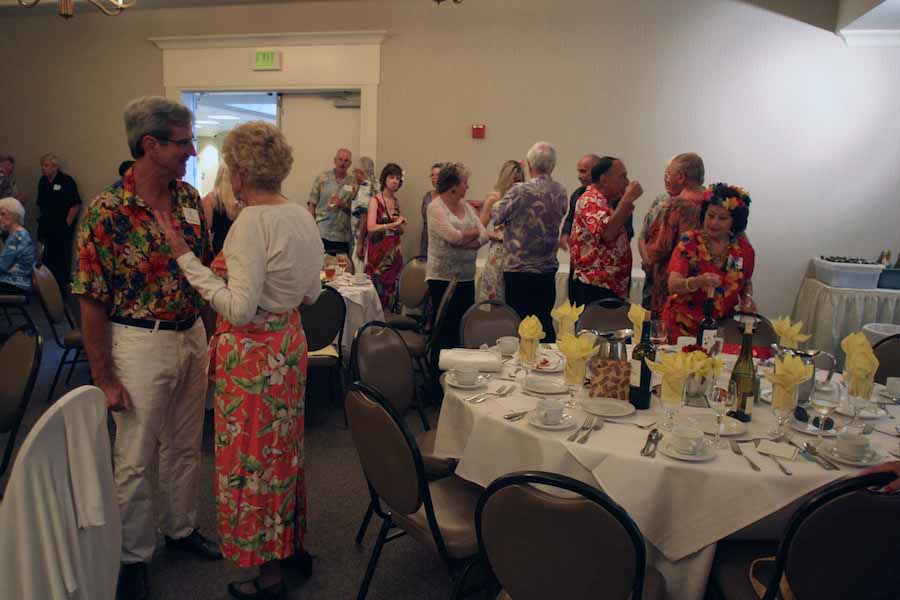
(865, 413)
(545, 386)
(567, 422)
(730, 425)
(555, 363)
(706, 453)
(810, 429)
(607, 407)
(872, 457)
(482, 380)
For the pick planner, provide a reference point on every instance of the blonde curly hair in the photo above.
(259, 153)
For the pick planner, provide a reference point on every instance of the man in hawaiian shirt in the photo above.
(530, 214)
(329, 202)
(601, 252)
(144, 340)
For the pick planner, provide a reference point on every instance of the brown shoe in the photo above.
(256, 592)
(195, 543)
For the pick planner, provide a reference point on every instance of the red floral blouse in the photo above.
(595, 262)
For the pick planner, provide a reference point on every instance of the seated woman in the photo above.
(716, 257)
(17, 256)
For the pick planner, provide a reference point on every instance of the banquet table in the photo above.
(830, 314)
(682, 508)
(362, 305)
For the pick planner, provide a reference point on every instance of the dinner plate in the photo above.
(730, 426)
(567, 422)
(607, 407)
(809, 429)
(544, 386)
(865, 413)
(872, 457)
(706, 453)
(549, 362)
(482, 380)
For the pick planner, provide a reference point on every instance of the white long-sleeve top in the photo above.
(273, 254)
(446, 258)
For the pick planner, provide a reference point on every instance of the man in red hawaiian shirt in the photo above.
(145, 341)
(601, 253)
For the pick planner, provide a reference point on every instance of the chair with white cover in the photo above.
(60, 527)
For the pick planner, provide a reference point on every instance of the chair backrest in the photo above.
(379, 358)
(323, 321)
(887, 351)
(486, 321)
(842, 543)
(605, 315)
(413, 289)
(733, 329)
(47, 290)
(588, 545)
(388, 453)
(20, 356)
(440, 316)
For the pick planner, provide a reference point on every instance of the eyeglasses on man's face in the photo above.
(182, 144)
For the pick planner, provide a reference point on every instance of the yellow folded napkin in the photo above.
(705, 365)
(577, 350)
(674, 368)
(567, 316)
(861, 365)
(790, 372)
(530, 333)
(789, 335)
(636, 314)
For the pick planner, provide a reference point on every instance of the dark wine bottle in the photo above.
(709, 329)
(744, 376)
(639, 391)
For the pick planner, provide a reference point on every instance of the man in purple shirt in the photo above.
(530, 214)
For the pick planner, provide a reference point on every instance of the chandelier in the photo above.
(454, 1)
(67, 7)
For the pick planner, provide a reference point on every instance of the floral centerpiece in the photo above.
(706, 369)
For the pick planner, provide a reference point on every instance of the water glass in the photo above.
(784, 401)
(659, 333)
(671, 396)
(824, 404)
(722, 400)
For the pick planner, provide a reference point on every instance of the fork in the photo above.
(598, 424)
(638, 425)
(588, 423)
(737, 450)
(483, 395)
(774, 458)
(500, 393)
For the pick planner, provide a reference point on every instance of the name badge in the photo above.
(191, 216)
(56, 187)
(739, 263)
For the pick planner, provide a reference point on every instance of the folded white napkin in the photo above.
(778, 449)
(483, 360)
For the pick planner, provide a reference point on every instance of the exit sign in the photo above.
(267, 60)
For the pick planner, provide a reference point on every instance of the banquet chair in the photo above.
(486, 321)
(413, 292)
(550, 536)
(379, 359)
(602, 316)
(423, 346)
(440, 514)
(887, 351)
(841, 542)
(18, 305)
(60, 527)
(20, 356)
(733, 329)
(323, 324)
(57, 312)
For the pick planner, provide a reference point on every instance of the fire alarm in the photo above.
(478, 131)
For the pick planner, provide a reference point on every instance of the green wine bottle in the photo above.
(744, 375)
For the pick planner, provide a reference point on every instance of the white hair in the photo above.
(541, 158)
(13, 206)
(50, 158)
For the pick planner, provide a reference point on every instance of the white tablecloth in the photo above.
(682, 508)
(362, 304)
(830, 314)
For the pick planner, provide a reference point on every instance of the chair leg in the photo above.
(6, 314)
(62, 362)
(370, 510)
(373, 561)
(72, 365)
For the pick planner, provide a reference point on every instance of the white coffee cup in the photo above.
(508, 344)
(892, 385)
(465, 375)
(854, 446)
(360, 278)
(687, 439)
(549, 411)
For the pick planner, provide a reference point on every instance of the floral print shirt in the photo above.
(596, 262)
(17, 260)
(124, 260)
(530, 214)
(334, 222)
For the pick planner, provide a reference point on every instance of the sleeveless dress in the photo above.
(384, 257)
(260, 380)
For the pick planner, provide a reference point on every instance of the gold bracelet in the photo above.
(687, 284)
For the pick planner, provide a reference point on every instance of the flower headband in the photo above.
(727, 196)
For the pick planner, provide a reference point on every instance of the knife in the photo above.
(808, 456)
(515, 416)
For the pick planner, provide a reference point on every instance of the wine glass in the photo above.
(722, 401)
(670, 402)
(574, 380)
(659, 333)
(783, 406)
(824, 403)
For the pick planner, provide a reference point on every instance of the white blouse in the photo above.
(446, 258)
(273, 254)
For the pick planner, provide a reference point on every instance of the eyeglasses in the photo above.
(182, 144)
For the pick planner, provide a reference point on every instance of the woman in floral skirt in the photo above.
(384, 257)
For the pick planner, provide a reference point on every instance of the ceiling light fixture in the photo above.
(454, 1)
(66, 8)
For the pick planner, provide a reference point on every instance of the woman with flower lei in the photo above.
(716, 257)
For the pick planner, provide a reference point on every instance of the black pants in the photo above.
(584, 293)
(334, 248)
(58, 258)
(459, 304)
(532, 294)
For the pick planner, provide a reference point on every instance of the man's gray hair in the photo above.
(50, 158)
(156, 116)
(541, 158)
(13, 206)
(691, 166)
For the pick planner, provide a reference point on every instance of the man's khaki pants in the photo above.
(164, 372)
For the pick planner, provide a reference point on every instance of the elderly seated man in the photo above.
(17, 256)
